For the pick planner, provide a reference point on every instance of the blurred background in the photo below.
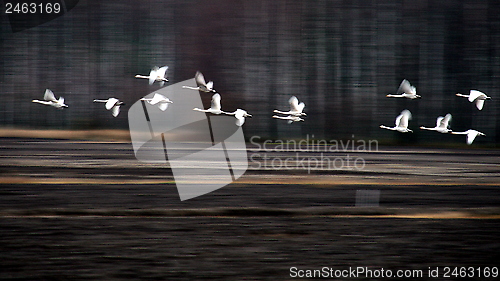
(340, 57)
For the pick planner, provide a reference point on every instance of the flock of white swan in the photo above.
(157, 74)
(406, 90)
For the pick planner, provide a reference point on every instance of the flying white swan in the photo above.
(471, 135)
(201, 84)
(406, 90)
(476, 97)
(401, 122)
(290, 118)
(215, 107)
(296, 108)
(159, 99)
(442, 124)
(112, 104)
(50, 99)
(240, 115)
(156, 74)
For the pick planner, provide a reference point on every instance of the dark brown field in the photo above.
(81, 210)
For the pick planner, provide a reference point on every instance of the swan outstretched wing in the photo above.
(157, 98)
(301, 106)
(153, 74)
(115, 110)
(294, 103)
(200, 79)
(471, 135)
(161, 72)
(240, 115)
(240, 121)
(443, 122)
(446, 121)
(111, 103)
(49, 96)
(295, 106)
(163, 106)
(402, 119)
(210, 85)
(215, 104)
(439, 121)
(406, 87)
(479, 104)
(243, 113)
(474, 94)
(398, 119)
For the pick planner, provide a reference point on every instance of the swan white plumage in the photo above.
(201, 84)
(240, 115)
(156, 74)
(296, 108)
(160, 100)
(405, 90)
(442, 124)
(50, 99)
(401, 122)
(290, 118)
(215, 107)
(112, 104)
(476, 97)
(471, 135)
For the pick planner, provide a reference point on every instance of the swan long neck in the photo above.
(45, 102)
(388, 128)
(462, 95)
(426, 128)
(280, 112)
(192, 88)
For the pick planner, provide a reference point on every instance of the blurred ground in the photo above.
(88, 210)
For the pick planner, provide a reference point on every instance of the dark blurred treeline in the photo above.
(340, 57)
